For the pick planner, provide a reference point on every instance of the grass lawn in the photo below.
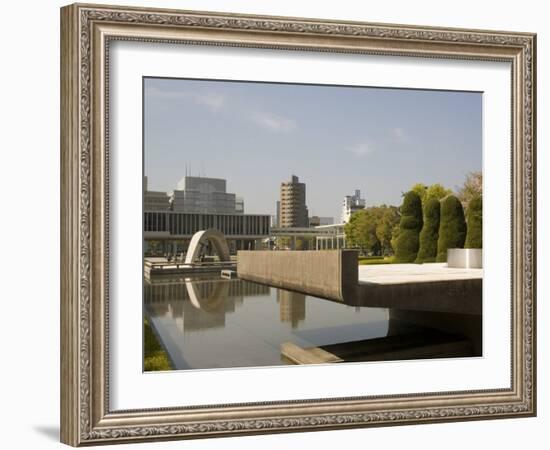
(154, 357)
(371, 260)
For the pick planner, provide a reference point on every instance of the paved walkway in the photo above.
(414, 273)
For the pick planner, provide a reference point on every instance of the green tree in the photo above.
(420, 189)
(430, 231)
(385, 218)
(388, 218)
(436, 191)
(410, 225)
(472, 187)
(425, 192)
(452, 227)
(361, 232)
(474, 217)
(283, 243)
(394, 237)
(153, 247)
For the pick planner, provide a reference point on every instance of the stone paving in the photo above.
(414, 273)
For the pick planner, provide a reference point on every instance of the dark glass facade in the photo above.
(187, 224)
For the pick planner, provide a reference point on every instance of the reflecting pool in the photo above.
(205, 323)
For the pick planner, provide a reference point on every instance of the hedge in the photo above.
(474, 235)
(452, 227)
(430, 232)
(409, 228)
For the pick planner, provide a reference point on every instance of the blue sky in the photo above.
(336, 139)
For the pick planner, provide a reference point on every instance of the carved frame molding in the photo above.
(86, 32)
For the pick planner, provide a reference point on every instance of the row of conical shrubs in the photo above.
(427, 231)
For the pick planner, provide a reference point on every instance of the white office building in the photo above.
(351, 204)
(154, 200)
(239, 205)
(205, 195)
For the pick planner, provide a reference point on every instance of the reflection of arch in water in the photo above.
(215, 302)
(200, 238)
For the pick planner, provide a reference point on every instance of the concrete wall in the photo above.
(331, 274)
(456, 296)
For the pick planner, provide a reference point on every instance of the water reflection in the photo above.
(292, 307)
(209, 323)
(197, 304)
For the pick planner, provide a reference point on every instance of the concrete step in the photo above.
(418, 345)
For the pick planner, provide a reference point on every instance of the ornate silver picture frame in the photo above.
(87, 33)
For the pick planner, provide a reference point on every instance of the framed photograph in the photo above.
(276, 224)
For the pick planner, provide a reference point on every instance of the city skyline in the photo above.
(336, 139)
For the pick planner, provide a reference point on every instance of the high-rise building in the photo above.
(205, 195)
(278, 214)
(293, 207)
(154, 200)
(351, 204)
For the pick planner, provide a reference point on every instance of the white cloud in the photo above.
(162, 94)
(214, 102)
(399, 134)
(362, 149)
(273, 122)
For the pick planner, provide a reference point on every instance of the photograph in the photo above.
(282, 223)
(288, 224)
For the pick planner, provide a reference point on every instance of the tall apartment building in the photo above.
(278, 214)
(351, 204)
(205, 195)
(293, 209)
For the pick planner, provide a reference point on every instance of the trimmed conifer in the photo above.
(430, 232)
(474, 217)
(409, 228)
(452, 227)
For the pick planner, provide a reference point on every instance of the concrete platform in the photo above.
(312, 355)
(163, 268)
(414, 273)
(336, 275)
(420, 287)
